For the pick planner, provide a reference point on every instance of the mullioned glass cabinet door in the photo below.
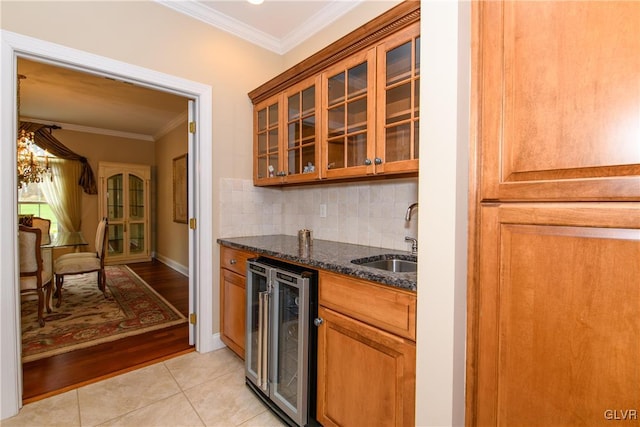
(268, 164)
(302, 131)
(348, 119)
(398, 102)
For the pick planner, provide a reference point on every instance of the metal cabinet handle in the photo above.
(233, 261)
(367, 162)
(318, 321)
(378, 161)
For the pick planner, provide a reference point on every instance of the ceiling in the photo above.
(54, 95)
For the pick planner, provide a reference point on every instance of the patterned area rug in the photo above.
(87, 318)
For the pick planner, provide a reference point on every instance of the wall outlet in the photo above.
(323, 211)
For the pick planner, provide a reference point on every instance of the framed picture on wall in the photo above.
(180, 189)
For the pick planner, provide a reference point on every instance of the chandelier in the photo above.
(30, 167)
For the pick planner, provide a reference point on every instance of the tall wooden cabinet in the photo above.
(124, 200)
(554, 286)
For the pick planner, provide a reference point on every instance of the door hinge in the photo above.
(192, 127)
(192, 318)
(192, 223)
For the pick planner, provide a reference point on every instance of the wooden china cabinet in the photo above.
(124, 199)
(361, 113)
(554, 285)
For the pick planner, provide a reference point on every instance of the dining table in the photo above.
(65, 239)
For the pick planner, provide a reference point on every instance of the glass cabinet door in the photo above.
(268, 164)
(398, 102)
(137, 209)
(348, 118)
(115, 214)
(302, 103)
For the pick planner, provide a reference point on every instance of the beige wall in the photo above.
(171, 238)
(104, 148)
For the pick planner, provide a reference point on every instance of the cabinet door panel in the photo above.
(302, 108)
(558, 336)
(366, 377)
(559, 107)
(397, 102)
(348, 112)
(232, 316)
(268, 116)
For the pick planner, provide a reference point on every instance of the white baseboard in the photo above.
(215, 343)
(182, 269)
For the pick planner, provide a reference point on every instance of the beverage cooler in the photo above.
(280, 351)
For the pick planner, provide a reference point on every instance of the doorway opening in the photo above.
(199, 206)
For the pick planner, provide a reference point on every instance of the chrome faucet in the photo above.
(414, 244)
(407, 217)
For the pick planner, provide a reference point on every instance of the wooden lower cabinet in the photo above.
(232, 298)
(366, 353)
(232, 317)
(558, 315)
(366, 377)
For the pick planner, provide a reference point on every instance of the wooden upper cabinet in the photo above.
(348, 111)
(268, 165)
(398, 102)
(558, 107)
(348, 117)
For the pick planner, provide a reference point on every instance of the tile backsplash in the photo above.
(365, 213)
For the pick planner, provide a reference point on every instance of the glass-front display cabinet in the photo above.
(348, 117)
(124, 200)
(398, 102)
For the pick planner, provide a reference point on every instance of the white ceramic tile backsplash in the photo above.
(370, 213)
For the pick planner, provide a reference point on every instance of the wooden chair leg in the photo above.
(59, 279)
(40, 306)
(48, 299)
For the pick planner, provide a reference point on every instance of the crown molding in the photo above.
(317, 23)
(311, 26)
(89, 129)
(196, 10)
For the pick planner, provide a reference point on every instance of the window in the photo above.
(31, 201)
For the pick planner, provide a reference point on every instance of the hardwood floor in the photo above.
(53, 375)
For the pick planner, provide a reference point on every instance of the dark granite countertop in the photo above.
(327, 255)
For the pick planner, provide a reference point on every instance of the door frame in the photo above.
(14, 45)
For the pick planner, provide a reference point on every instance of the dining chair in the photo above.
(45, 226)
(35, 268)
(83, 262)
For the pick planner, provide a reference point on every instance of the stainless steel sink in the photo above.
(393, 263)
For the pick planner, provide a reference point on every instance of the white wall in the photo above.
(444, 165)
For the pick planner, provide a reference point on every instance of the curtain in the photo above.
(44, 139)
(63, 194)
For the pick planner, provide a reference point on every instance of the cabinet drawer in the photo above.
(234, 260)
(392, 310)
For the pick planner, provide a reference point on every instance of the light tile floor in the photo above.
(190, 390)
